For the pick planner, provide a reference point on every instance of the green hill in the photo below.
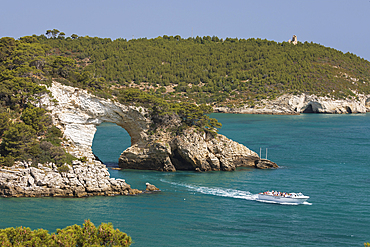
(164, 74)
(210, 70)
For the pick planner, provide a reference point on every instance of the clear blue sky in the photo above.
(343, 25)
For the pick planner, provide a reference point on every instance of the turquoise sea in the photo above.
(324, 156)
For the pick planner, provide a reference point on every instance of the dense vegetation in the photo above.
(162, 112)
(26, 131)
(166, 75)
(87, 235)
(209, 70)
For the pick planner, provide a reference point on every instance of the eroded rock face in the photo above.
(78, 113)
(192, 150)
(82, 179)
(295, 104)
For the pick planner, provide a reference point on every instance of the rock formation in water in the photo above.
(295, 104)
(82, 179)
(151, 187)
(77, 114)
(191, 150)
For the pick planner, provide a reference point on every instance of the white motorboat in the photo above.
(282, 197)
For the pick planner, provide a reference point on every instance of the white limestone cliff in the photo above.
(81, 179)
(77, 113)
(295, 104)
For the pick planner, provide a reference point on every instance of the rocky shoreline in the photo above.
(83, 179)
(78, 112)
(289, 104)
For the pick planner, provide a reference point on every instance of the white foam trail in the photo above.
(239, 194)
(217, 191)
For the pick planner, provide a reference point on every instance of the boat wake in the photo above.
(222, 192)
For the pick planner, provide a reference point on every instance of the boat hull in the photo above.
(281, 199)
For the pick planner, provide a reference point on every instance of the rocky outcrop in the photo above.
(82, 179)
(77, 114)
(151, 187)
(192, 150)
(296, 104)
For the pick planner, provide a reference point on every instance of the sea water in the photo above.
(323, 156)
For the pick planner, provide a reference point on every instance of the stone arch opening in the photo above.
(110, 140)
(78, 113)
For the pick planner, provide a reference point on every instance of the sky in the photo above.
(339, 24)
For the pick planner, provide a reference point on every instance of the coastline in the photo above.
(289, 104)
(83, 179)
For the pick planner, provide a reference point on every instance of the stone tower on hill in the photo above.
(294, 40)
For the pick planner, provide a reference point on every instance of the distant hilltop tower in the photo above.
(294, 40)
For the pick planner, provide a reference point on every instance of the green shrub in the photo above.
(83, 159)
(8, 160)
(87, 235)
(63, 168)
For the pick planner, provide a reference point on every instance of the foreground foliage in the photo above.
(87, 235)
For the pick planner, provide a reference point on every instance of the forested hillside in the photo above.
(165, 74)
(210, 70)
(26, 131)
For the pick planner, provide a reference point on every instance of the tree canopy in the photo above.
(87, 235)
(211, 70)
(169, 75)
(26, 131)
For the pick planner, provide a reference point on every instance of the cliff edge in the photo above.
(288, 104)
(77, 113)
(191, 150)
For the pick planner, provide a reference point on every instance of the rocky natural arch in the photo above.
(77, 114)
(308, 109)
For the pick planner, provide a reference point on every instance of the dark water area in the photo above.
(323, 156)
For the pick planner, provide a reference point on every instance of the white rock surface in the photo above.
(295, 104)
(77, 113)
(83, 179)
